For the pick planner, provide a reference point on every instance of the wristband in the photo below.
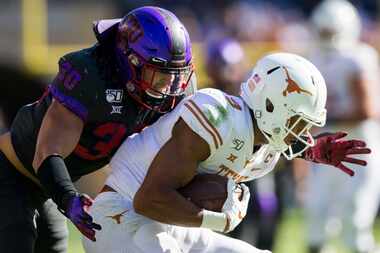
(56, 180)
(214, 220)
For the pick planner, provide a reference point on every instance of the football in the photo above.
(208, 191)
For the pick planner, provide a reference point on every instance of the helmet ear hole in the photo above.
(269, 106)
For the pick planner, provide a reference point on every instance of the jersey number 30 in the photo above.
(111, 135)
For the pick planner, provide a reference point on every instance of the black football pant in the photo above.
(29, 221)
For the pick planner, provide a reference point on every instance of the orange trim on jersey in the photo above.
(208, 122)
(205, 123)
(233, 103)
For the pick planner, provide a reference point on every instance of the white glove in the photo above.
(234, 208)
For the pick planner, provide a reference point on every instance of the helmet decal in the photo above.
(256, 78)
(293, 86)
(253, 81)
(233, 103)
(131, 29)
(251, 84)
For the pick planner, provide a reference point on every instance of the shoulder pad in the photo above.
(104, 28)
(73, 86)
(208, 113)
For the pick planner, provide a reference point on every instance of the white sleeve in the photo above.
(207, 115)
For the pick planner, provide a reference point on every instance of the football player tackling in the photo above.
(212, 132)
(139, 69)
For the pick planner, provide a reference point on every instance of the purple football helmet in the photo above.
(153, 51)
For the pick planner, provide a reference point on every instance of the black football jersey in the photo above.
(87, 85)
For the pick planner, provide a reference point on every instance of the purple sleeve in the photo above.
(70, 86)
(69, 102)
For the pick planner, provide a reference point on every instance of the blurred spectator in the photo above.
(225, 64)
(201, 17)
(248, 22)
(336, 203)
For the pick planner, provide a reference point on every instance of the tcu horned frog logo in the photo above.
(293, 86)
(132, 29)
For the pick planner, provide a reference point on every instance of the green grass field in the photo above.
(290, 238)
(75, 244)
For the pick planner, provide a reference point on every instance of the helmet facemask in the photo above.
(288, 128)
(296, 129)
(155, 87)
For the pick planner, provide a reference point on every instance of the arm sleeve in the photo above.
(56, 180)
(207, 116)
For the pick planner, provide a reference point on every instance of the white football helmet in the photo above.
(281, 87)
(337, 23)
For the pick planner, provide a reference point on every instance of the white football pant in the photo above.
(124, 231)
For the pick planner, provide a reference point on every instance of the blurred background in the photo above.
(297, 208)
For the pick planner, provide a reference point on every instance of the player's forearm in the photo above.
(168, 207)
(56, 181)
(49, 145)
(59, 134)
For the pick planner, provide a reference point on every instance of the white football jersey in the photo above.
(223, 121)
